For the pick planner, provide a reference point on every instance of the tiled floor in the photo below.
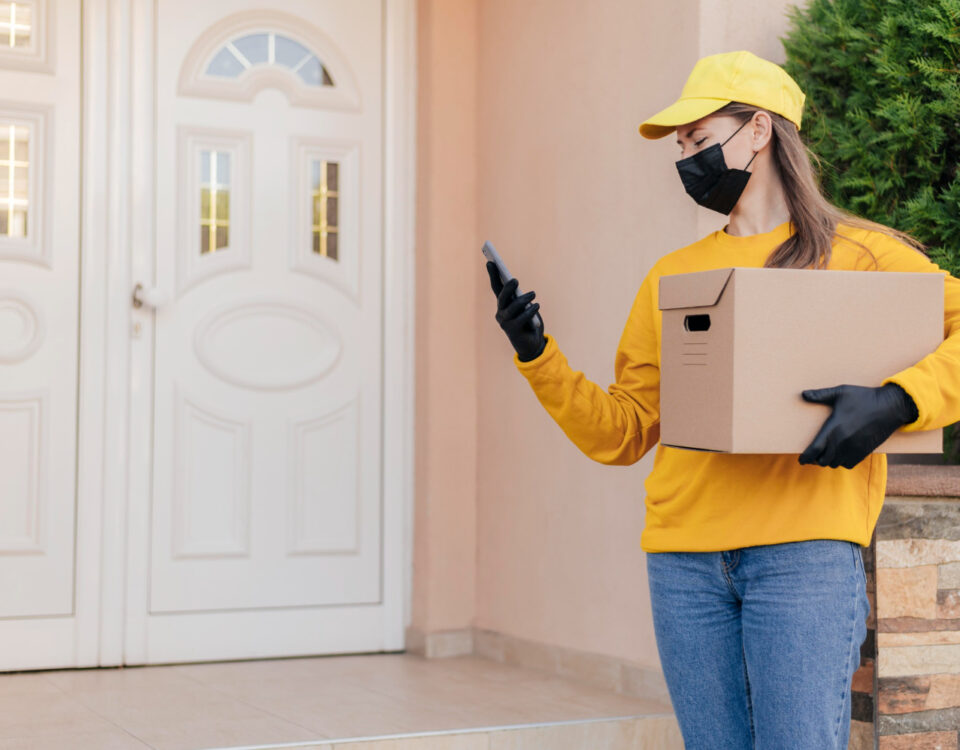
(463, 703)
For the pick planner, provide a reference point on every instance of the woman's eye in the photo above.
(700, 141)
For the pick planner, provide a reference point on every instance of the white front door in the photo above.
(263, 533)
(39, 295)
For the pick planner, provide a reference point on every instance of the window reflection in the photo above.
(325, 193)
(214, 200)
(16, 21)
(14, 179)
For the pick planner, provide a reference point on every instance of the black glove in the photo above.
(517, 317)
(862, 418)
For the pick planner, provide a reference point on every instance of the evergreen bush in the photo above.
(882, 80)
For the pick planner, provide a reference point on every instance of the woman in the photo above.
(754, 562)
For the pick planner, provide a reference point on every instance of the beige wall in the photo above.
(528, 137)
(580, 206)
(445, 541)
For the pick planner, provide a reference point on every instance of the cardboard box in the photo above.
(740, 344)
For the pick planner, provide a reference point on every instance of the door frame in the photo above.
(115, 430)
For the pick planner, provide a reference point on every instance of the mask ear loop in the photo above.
(733, 134)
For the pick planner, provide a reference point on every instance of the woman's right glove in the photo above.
(517, 317)
(862, 418)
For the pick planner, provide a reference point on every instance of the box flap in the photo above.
(698, 289)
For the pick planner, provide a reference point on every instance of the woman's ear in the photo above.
(762, 129)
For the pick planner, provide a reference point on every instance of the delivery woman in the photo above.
(754, 563)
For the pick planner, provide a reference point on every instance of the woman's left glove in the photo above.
(862, 419)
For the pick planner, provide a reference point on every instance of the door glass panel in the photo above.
(255, 48)
(16, 22)
(290, 54)
(325, 193)
(214, 200)
(313, 73)
(14, 179)
(225, 64)
(268, 49)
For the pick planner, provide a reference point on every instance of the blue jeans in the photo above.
(759, 644)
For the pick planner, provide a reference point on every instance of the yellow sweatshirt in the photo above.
(698, 501)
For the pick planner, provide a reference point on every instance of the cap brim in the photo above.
(680, 112)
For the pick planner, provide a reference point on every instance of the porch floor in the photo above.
(355, 702)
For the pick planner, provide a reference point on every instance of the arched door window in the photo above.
(248, 52)
(268, 49)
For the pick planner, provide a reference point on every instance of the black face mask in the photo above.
(709, 181)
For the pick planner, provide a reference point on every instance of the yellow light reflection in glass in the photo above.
(214, 206)
(14, 200)
(326, 195)
(15, 23)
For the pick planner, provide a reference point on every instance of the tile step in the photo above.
(653, 732)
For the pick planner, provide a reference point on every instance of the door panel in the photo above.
(39, 287)
(267, 369)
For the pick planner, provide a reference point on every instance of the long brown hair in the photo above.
(814, 218)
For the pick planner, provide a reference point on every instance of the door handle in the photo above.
(152, 298)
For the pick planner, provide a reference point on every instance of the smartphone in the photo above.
(491, 254)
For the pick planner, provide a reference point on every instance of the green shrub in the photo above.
(882, 79)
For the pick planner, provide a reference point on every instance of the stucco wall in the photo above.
(528, 138)
(447, 247)
(580, 206)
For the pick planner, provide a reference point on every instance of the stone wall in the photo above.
(914, 632)
(862, 704)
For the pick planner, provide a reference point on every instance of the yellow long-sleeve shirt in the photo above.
(699, 501)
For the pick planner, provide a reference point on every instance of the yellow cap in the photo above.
(717, 80)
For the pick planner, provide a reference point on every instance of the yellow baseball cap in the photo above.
(717, 80)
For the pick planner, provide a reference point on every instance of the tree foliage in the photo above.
(882, 81)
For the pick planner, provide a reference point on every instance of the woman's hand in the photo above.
(862, 419)
(517, 317)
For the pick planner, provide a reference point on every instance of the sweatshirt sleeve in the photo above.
(620, 424)
(934, 382)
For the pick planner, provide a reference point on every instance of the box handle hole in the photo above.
(697, 322)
